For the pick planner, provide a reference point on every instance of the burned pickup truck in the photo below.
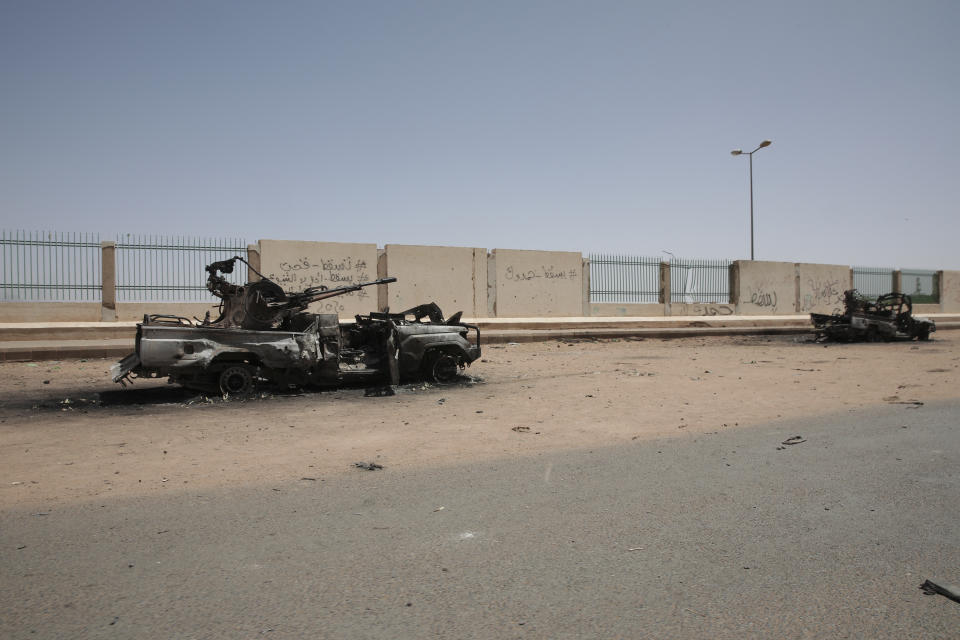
(887, 318)
(264, 336)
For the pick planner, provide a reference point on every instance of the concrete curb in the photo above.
(540, 335)
(31, 350)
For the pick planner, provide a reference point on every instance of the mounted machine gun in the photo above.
(264, 304)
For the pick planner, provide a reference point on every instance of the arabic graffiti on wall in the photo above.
(764, 297)
(513, 274)
(821, 293)
(304, 272)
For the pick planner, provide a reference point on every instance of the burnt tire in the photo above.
(236, 380)
(923, 334)
(441, 367)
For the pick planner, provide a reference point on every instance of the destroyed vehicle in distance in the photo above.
(888, 318)
(265, 337)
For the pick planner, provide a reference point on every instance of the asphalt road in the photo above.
(719, 535)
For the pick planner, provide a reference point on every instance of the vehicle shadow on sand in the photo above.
(66, 400)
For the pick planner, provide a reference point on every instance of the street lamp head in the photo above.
(736, 152)
(765, 143)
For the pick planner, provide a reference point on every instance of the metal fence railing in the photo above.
(66, 267)
(693, 280)
(921, 284)
(622, 278)
(171, 269)
(872, 282)
(49, 266)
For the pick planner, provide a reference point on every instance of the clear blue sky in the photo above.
(585, 126)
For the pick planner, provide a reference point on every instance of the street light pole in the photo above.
(751, 207)
(737, 152)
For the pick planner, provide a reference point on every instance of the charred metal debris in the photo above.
(264, 336)
(887, 318)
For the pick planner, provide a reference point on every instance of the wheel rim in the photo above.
(445, 368)
(236, 381)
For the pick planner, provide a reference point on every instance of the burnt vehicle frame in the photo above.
(889, 317)
(264, 336)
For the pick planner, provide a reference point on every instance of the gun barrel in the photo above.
(311, 295)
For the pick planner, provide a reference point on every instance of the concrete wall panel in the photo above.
(765, 288)
(297, 265)
(950, 291)
(631, 310)
(480, 285)
(709, 309)
(924, 309)
(50, 312)
(536, 283)
(127, 311)
(449, 276)
(822, 287)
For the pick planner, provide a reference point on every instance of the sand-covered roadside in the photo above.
(69, 434)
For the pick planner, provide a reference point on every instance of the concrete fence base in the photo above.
(501, 283)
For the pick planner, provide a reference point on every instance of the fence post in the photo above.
(479, 282)
(897, 281)
(938, 289)
(796, 287)
(735, 286)
(253, 262)
(383, 271)
(585, 273)
(665, 292)
(492, 284)
(108, 292)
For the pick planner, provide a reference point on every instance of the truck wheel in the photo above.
(442, 367)
(236, 380)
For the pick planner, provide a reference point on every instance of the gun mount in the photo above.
(264, 304)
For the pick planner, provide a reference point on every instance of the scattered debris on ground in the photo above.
(897, 400)
(790, 441)
(243, 437)
(368, 466)
(930, 588)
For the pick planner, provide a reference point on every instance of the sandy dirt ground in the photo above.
(68, 434)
